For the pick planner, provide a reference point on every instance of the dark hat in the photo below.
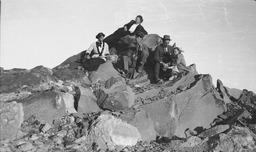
(139, 34)
(166, 37)
(99, 35)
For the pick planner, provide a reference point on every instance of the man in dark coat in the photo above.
(131, 28)
(162, 57)
(135, 61)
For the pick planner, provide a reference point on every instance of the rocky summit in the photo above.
(69, 109)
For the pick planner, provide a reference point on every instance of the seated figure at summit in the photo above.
(96, 54)
(131, 28)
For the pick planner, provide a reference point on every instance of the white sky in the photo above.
(218, 35)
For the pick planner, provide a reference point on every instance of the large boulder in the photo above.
(15, 79)
(104, 72)
(197, 106)
(11, 118)
(115, 95)
(87, 102)
(151, 41)
(164, 115)
(45, 106)
(109, 132)
(143, 122)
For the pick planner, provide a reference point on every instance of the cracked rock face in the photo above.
(197, 107)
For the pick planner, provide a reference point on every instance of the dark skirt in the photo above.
(92, 64)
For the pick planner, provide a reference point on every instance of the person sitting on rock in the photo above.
(136, 59)
(178, 63)
(163, 58)
(96, 54)
(131, 28)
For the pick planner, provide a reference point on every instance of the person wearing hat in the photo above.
(137, 58)
(96, 54)
(131, 28)
(98, 48)
(162, 57)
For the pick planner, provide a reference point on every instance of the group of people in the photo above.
(168, 60)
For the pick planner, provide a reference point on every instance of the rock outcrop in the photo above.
(69, 109)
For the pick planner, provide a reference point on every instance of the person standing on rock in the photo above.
(162, 58)
(131, 28)
(96, 54)
(135, 61)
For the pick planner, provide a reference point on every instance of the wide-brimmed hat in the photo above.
(99, 35)
(166, 37)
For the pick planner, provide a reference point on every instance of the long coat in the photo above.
(160, 55)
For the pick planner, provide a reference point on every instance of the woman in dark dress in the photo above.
(131, 28)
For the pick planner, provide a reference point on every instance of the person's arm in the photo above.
(145, 55)
(89, 50)
(181, 60)
(128, 25)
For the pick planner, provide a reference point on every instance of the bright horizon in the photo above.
(217, 35)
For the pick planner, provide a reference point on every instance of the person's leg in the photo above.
(127, 63)
(157, 71)
(93, 64)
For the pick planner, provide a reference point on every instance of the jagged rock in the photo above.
(69, 101)
(44, 107)
(236, 140)
(234, 93)
(185, 82)
(223, 92)
(103, 73)
(15, 80)
(248, 100)
(87, 102)
(117, 95)
(164, 115)
(109, 132)
(62, 133)
(11, 117)
(192, 142)
(26, 147)
(34, 137)
(197, 106)
(142, 121)
(214, 131)
(46, 127)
